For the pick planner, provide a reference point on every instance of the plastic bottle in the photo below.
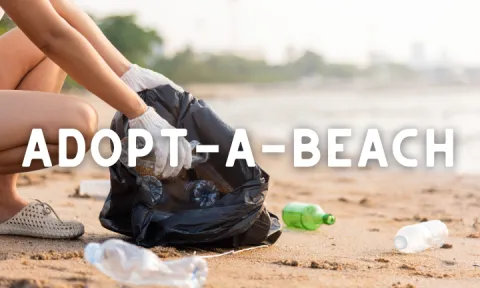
(419, 237)
(146, 165)
(204, 193)
(133, 265)
(306, 216)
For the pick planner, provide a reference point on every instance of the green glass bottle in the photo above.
(306, 216)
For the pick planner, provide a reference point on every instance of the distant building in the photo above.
(444, 60)
(379, 72)
(418, 58)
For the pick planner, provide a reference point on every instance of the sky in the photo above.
(341, 30)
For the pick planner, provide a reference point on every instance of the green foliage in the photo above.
(6, 24)
(186, 67)
(3, 29)
(71, 84)
(309, 64)
(136, 43)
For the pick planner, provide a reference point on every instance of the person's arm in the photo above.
(136, 77)
(73, 53)
(80, 20)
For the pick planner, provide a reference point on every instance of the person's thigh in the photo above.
(24, 67)
(23, 111)
(18, 56)
(45, 77)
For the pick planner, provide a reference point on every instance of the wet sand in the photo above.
(370, 206)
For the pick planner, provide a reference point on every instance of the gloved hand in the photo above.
(154, 123)
(139, 79)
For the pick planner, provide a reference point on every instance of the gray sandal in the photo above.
(35, 220)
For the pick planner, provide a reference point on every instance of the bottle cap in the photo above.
(198, 158)
(329, 219)
(91, 252)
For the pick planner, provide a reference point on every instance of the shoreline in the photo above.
(239, 90)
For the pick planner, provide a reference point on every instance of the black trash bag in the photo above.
(156, 213)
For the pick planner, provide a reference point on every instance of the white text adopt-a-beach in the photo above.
(372, 139)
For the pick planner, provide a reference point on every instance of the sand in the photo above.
(370, 205)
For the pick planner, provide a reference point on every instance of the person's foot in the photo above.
(36, 220)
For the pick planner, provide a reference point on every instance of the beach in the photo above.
(370, 204)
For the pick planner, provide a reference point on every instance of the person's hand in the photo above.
(153, 123)
(139, 79)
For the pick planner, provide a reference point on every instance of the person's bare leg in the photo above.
(10, 79)
(45, 77)
(20, 112)
(16, 64)
(49, 112)
(18, 56)
(10, 201)
(24, 67)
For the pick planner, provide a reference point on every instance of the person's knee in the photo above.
(77, 115)
(86, 119)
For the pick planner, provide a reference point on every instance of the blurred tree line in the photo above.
(143, 46)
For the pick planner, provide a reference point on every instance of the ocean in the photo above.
(272, 120)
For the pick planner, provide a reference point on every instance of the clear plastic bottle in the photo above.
(145, 165)
(204, 193)
(419, 237)
(133, 265)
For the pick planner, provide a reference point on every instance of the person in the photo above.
(54, 38)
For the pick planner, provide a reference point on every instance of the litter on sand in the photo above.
(130, 264)
(97, 189)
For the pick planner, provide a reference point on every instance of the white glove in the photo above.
(154, 123)
(139, 79)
